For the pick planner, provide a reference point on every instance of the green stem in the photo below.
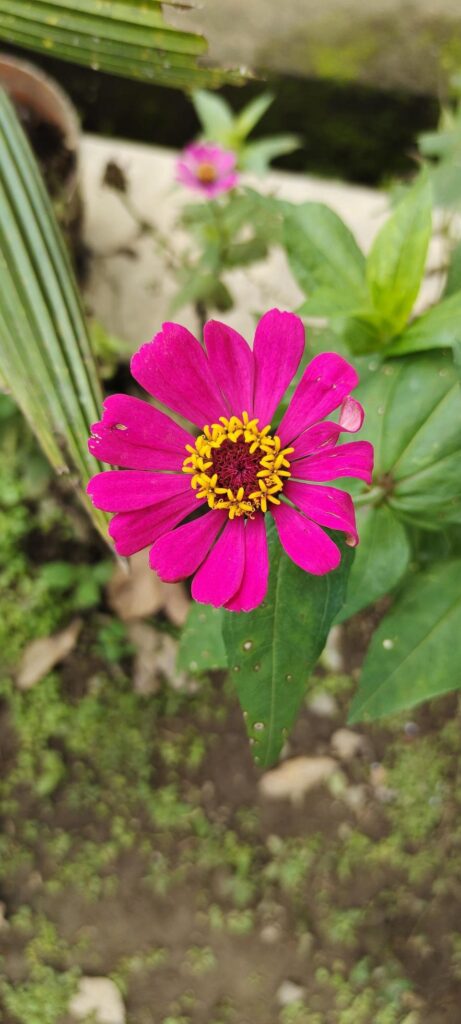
(372, 497)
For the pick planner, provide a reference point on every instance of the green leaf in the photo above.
(45, 355)
(273, 650)
(86, 594)
(361, 332)
(329, 303)
(58, 575)
(251, 114)
(322, 252)
(242, 253)
(440, 327)
(256, 156)
(413, 419)
(205, 287)
(381, 559)
(414, 654)
(201, 647)
(122, 37)
(214, 114)
(453, 281)
(395, 265)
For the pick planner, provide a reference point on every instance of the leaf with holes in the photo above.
(201, 648)
(381, 559)
(414, 654)
(273, 650)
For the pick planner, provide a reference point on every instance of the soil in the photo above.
(55, 160)
(137, 843)
(242, 972)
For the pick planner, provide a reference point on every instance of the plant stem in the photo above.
(371, 497)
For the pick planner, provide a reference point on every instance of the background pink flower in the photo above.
(207, 168)
(237, 469)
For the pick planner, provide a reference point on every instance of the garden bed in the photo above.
(139, 845)
(140, 842)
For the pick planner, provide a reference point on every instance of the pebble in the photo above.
(355, 797)
(295, 777)
(290, 992)
(100, 997)
(270, 934)
(323, 705)
(332, 656)
(346, 744)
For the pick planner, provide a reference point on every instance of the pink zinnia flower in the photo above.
(207, 168)
(238, 469)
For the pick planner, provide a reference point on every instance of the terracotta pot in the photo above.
(52, 126)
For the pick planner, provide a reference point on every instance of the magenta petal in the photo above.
(133, 531)
(216, 188)
(220, 575)
(253, 587)
(316, 438)
(305, 542)
(179, 553)
(278, 347)
(134, 435)
(351, 416)
(327, 506)
(174, 369)
(186, 176)
(326, 434)
(144, 424)
(232, 365)
(352, 459)
(126, 490)
(325, 383)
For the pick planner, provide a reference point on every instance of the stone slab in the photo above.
(130, 284)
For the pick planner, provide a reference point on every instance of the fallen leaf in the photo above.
(135, 592)
(155, 660)
(42, 655)
(292, 779)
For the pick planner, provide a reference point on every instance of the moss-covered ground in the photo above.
(136, 843)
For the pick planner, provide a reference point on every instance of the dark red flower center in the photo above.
(236, 466)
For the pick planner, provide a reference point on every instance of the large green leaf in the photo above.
(201, 648)
(395, 265)
(123, 37)
(381, 559)
(415, 653)
(273, 650)
(440, 327)
(45, 356)
(413, 419)
(323, 253)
